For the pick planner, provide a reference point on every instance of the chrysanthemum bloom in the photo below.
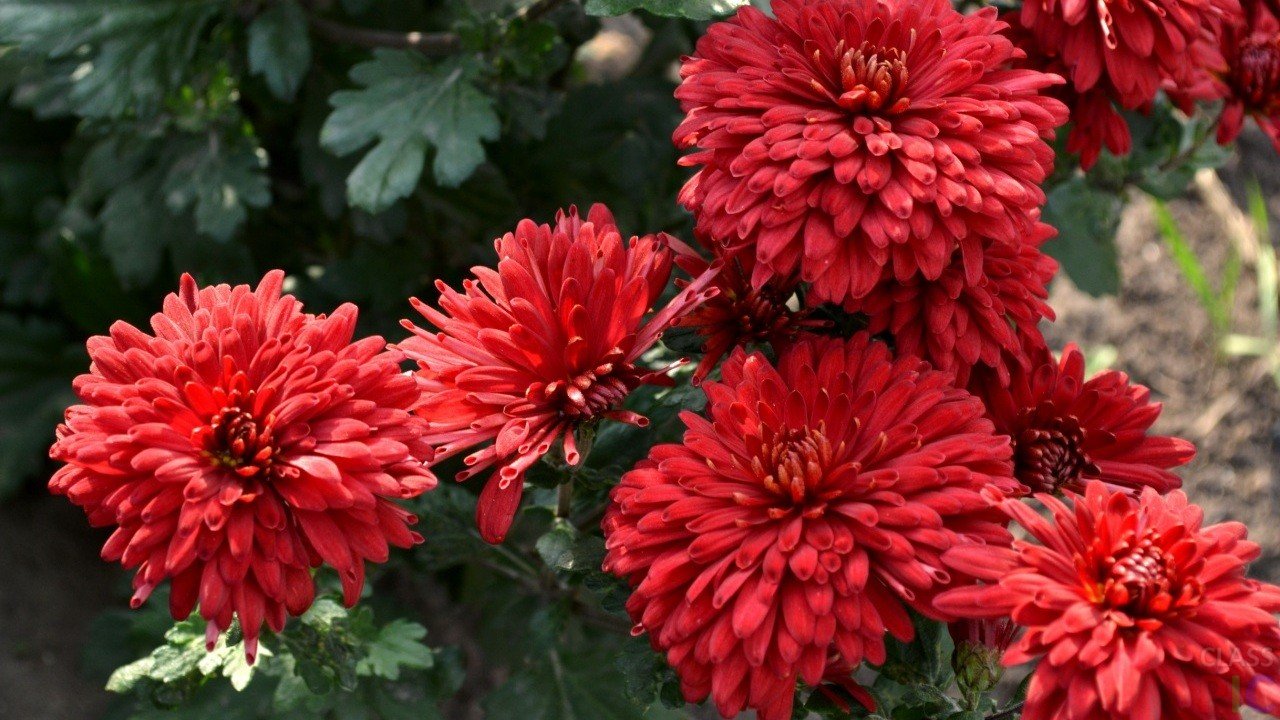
(1130, 49)
(740, 314)
(797, 522)
(1133, 608)
(956, 323)
(242, 444)
(846, 136)
(1253, 53)
(1121, 53)
(546, 343)
(1067, 431)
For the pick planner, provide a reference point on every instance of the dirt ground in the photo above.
(52, 585)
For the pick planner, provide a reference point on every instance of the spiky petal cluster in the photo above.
(1096, 122)
(1134, 609)
(1253, 78)
(740, 314)
(548, 342)
(1124, 51)
(1067, 430)
(242, 444)
(846, 137)
(797, 522)
(956, 323)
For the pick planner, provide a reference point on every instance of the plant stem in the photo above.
(432, 44)
(564, 499)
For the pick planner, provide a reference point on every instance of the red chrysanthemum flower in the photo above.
(846, 137)
(1067, 431)
(242, 444)
(1095, 122)
(1130, 49)
(795, 525)
(956, 323)
(1253, 81)
(546, 343)
(1134, 609)
(740, 314)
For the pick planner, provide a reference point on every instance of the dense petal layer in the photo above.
(240, 445)
(798, 521)
(843, 139)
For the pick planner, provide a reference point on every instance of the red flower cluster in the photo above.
(242, 444)
(797, 523)
(1123, 53)
(882, 156)
(547, 343)
(1134, 609)
(1067, 431)
(849, 139)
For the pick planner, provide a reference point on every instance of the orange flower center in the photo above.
(235, 439)
(590, 393)
(792, 464)
(1256, 74)
(1049, 456)
(872, 78)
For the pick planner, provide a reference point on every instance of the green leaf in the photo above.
(398, 644)
(556, 547)
(556, 686)
(926, 659)
(280, 48)
(106, 58)
(693, 9)
(220, 179)
(154, 191)
(37, 363)
(1087, 220)
(407, 105)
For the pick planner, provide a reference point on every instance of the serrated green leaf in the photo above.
(219, 179)
(406, 106)
(692, 9)
(106, 58)
(398, 644)
(280, 48)
(126, 677)
(1087, 220)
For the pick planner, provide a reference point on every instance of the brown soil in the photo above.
(52, 585)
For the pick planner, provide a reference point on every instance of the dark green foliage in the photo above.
(330, 663)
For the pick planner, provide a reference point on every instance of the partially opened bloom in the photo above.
(548, 342)
(1067, 431)
(846, 137)
(1120, 55)
(797, 523)
(957, 323)
(1131, 49)
(1095, 121)
(1253, 56)
(240, 445)
(1133, 608)
(740, 314)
